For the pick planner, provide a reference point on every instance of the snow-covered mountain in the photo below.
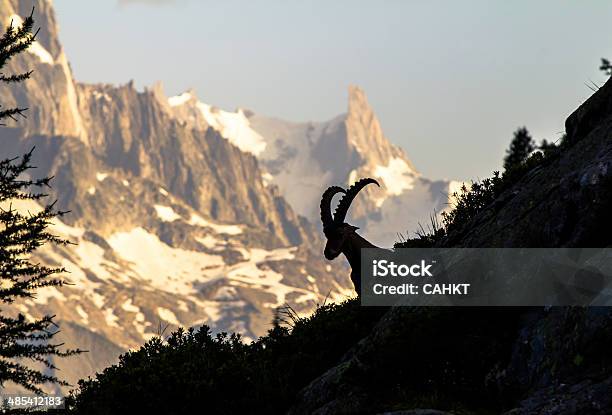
(304, 158)
(173, 225)
(186, 214)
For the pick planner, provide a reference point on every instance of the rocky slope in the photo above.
(173, 226)
(303, 158)
(559, 360)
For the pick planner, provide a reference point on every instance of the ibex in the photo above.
(341, 237)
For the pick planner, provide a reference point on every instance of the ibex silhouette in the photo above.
(341, 237)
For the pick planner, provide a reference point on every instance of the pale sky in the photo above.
(449, 80)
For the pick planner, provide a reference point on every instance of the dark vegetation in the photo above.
(24, 342)
(192, 370)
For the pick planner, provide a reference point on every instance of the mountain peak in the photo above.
(357, 97)
(365, 133)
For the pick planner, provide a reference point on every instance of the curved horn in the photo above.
(347, 199)
(326, 215)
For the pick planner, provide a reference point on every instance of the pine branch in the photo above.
(15, 78)
(11, 113)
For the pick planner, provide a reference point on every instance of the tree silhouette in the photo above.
(606, 67)
(521, 146)
(24, 340)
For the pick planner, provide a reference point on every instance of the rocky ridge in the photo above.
(303, 158)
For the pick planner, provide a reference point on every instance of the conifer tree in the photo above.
(24, 341)
(521, 146)
(606, 67)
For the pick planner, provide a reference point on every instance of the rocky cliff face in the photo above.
(174, 226)
(131, 132)
(558, 361)
(50, 94)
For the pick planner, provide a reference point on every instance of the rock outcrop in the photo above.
(558, 361)
(50, 94)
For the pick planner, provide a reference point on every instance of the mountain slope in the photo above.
(559, 361)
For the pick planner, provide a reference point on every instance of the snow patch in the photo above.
(163, 191)
(35, 48)
(41, 53)
(91, 257)
(125, 183)
(23, 309)
(91, 190)
(249, 272)
(110, 317)
(98, 299)
(164, 267)
(129, 307)
(397, 176)
(235, 127)
(168, 316)
(166, 213)
(209, 241)
(180, 99)
(66, 230)
(139, 319)
(267, 178)
(306, 297)
(84, 316)
(197, 220)
(101, 176)
(44, 294)
(183, 272)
